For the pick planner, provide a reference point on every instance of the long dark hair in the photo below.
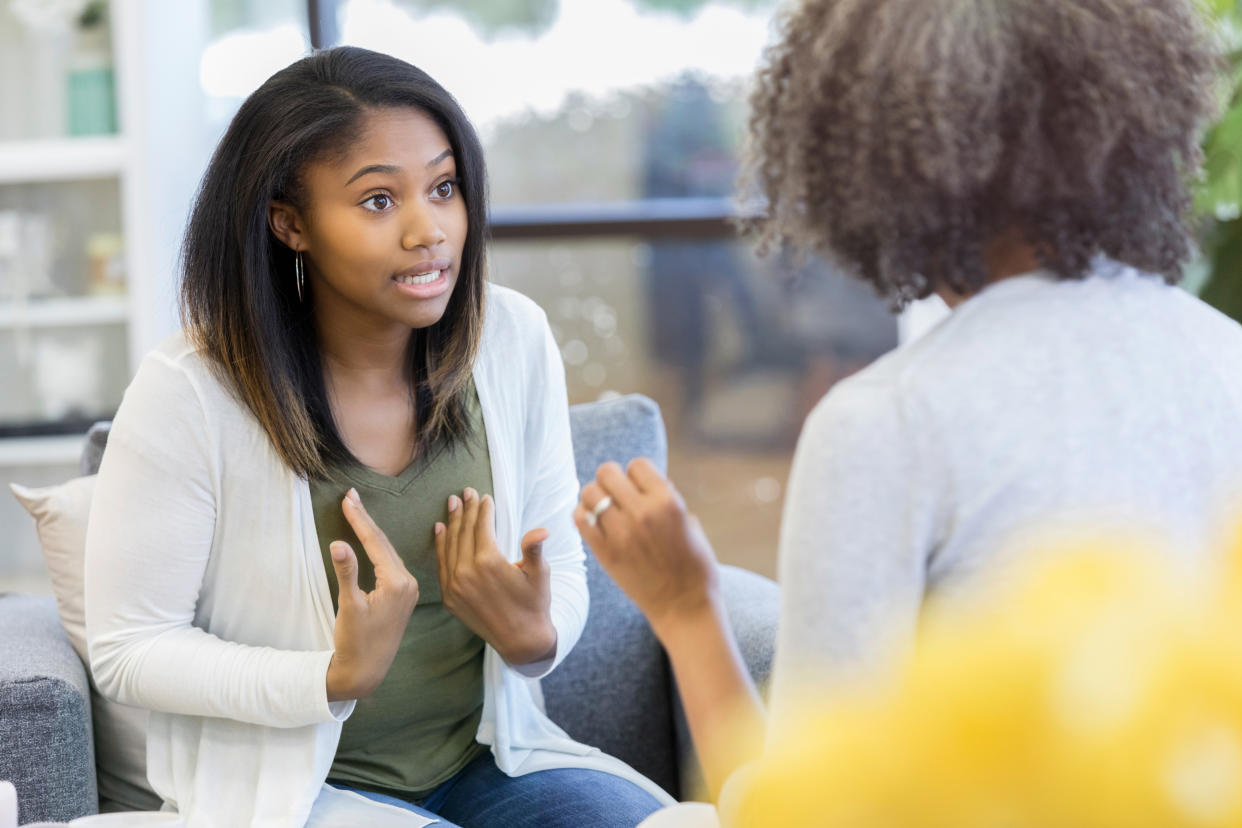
(239, 300)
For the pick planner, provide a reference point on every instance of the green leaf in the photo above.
(1222, 9)
(1223, 289)
(1222, 164)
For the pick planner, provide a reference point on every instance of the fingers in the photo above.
(469, 519)
(593, 535)
(616, 485)
(452, 533)
(484, 530)
(469, 533)
(533, 564)
(441, 541)
(345, 563)
(645, 477)
(532, 544)
(589, 498)
(374, 541)
(632, 491)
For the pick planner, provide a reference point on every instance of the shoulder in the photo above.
(858, 410)
(515, 329)
(518, 359)
(176, 374)
(887, 385)
(512, 312)
(882, 420)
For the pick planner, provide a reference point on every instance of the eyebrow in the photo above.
(389, 169)
(448, 153)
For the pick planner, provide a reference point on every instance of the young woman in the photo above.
(1027, 161)
(333, 541)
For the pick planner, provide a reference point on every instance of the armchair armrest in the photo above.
(46, 747)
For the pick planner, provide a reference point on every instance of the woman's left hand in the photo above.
(507, 604)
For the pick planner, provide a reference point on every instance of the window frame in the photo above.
(688, 218)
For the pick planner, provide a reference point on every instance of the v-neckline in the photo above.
(393, 484)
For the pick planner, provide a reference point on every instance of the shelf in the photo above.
(51, 313)
(61, 159)
(41, 451)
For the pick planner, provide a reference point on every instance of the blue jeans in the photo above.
(482, 796)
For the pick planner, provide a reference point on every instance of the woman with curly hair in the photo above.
(1027, 161)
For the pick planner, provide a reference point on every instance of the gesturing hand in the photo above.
(369, 625)
(657, 553)
(654, 550)
(506, 604)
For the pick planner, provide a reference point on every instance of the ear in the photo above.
(286, 224)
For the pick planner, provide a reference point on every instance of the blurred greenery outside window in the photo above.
(1219, 199)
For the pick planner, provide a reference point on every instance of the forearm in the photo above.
(190, 672)
(722, 707)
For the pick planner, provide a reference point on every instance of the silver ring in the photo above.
(592, 517)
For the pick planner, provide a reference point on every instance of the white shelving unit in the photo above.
(73, 311)
(64, 160)
(155, 160)
(61, 159)
(152, 165)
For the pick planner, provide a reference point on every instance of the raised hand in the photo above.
(369, 625)
(506, 604)
(658, 554)
(655, 551)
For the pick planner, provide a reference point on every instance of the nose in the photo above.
(422, 229)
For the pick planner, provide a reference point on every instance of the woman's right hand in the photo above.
(651, 545)
(369, 625)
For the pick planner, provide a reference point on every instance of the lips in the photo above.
(421, 278)
(426, 270)
(424, 280)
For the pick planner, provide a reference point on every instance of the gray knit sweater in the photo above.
(1037, 404)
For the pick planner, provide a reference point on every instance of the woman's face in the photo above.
(384, 226)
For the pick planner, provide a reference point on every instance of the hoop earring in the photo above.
(299, 273)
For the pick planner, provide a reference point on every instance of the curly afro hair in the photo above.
(898, 137)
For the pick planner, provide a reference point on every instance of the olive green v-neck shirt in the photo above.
(417, 729)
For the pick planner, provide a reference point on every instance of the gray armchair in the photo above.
(615, 690)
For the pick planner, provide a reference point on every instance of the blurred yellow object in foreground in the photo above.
(1105, 691)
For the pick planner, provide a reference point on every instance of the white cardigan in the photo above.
(207, 600)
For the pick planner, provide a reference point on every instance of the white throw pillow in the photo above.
(60, 514)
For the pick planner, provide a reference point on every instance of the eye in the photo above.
(381, 202)
(446, 189)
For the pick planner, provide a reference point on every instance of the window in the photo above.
(613, 130)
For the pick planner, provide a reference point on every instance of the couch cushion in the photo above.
(46, 749)
(92, 452)
(612, 691)
(60, 514)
